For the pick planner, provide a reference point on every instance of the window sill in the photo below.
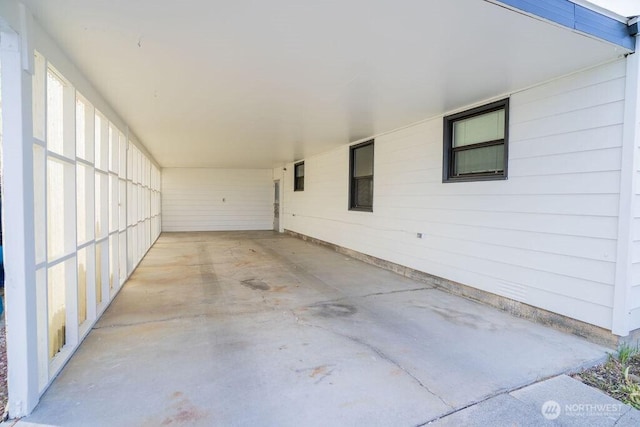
(475, 178)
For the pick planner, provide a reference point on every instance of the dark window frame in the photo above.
(353, 181)
(296, 182)
(449, 151)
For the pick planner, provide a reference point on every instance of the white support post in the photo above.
(18, 212)
(628, 188)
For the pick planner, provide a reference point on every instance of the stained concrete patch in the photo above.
(256, 284)
(318, 373)
(332, 309)
(182, 411)
(463, 318)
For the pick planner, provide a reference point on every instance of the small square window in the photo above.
(476, 142)
(298, 177)
(361, 177)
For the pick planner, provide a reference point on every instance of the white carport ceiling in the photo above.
(254, 84)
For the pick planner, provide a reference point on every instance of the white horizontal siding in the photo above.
(546, 236)
(634, 297)
(216, 199)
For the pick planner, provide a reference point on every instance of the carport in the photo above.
(190, 191)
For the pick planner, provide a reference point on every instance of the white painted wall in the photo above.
(546, 236)
(203, 199)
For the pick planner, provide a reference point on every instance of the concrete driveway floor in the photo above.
(262, 329)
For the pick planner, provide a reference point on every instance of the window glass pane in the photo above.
(130, 204)
(55, 116)
(55, 209)
(122, 156)
(136, 166)
(85, 202)
(140, 205)
(61, 212)
(147, 203)
(364, 192)
(38, 96)
(81, 126)
(140, 246)
(147, 236)
(113, 263)
(42, 328)
(98, 140)
(130, 150)
(39, 202)
(114, 147)
(56, 308)
(85, 128)
(486, 127)
(98, 202)
(101, 141)
(363, 161)
(99, 267)
(122, 204)
(130, 247)
(114, 186)
(122, 241)
(82, 286)
(101, 204)
(146, 170)
(298, 179)
(81, 203)
(156, 178)
(110, 137)
(479, 160)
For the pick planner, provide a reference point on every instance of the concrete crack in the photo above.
(146, 322)
(399, 291)
(384, 357)
(620, 417)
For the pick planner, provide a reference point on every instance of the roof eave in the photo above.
(580, 18)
